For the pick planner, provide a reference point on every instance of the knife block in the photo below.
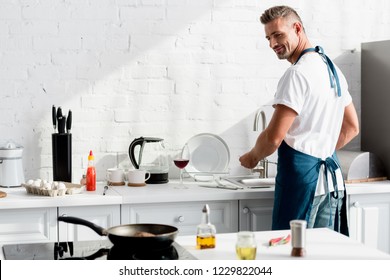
(62, 157)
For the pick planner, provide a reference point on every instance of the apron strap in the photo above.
(333, 77)
(331, 165)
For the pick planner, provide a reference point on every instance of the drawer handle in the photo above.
(246, 210)
(356, 204)
(180, 219)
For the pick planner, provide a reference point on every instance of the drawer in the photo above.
(33, 225)
(105, 216)
(183, 215)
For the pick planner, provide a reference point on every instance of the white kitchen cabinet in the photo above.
(184, 215)
(255, 214)
(369, 219)
(28, 225)
(105, 216)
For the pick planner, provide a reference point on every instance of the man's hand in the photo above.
(271, 138)
(248, 160)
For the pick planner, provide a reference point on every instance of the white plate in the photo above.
(208, 154)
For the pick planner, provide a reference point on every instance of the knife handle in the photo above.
(69, 122)
(59, 113)
(61, 124)
(54, 117)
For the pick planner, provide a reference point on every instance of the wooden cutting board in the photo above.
(3, 194)
(354, 181)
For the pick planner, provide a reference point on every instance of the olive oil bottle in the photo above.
(205, 236)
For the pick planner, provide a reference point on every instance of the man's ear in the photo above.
(298, 27)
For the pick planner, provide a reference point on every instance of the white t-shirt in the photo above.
(305, 87)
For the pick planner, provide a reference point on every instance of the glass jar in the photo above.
(246, 246)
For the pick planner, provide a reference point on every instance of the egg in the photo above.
(30, 182)
(61, 186)
(36, 183)
(47, 186)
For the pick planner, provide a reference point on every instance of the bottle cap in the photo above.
(91, 157)
(206, 209)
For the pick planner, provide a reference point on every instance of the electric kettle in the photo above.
(151, 157)
(11, 166)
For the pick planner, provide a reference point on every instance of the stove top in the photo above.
(90, 250)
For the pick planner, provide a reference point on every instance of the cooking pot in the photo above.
(155, 236)
(11, 166)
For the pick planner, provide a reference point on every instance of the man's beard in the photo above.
(284, 55)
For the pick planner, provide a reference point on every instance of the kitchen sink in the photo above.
(251, 181)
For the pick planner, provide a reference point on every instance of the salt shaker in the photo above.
(298, 238)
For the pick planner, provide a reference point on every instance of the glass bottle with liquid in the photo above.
(246, 246)
(205, 236)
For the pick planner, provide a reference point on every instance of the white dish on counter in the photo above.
(209, 154)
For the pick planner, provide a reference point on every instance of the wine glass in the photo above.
(181, 162)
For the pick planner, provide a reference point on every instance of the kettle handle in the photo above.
(135, 143)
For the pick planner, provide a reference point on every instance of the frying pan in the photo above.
(124, 235)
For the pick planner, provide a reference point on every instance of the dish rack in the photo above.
(206, 176)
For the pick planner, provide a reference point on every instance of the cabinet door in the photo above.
(28, 225)
(369, 220)
(255, 214)
(105, 216)
(184, 215)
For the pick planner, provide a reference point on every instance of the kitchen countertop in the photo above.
(18, 198)
(194, 192)
(369, 187)
(321, 244)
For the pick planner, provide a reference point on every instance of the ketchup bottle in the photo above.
(91, 173)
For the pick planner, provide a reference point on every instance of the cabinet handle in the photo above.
(180, 219)
(356, 204)
(246, 210)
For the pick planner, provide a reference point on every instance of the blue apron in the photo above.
(297, 175)
(295, 184)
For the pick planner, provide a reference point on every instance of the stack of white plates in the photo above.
(209, 154)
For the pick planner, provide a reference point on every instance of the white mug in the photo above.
(137, 176)
(115, 175)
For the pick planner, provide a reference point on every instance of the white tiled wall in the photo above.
(164, 68)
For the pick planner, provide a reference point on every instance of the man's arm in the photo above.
(271, 138)
(349, 128)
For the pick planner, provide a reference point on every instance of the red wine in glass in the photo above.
(181, 163)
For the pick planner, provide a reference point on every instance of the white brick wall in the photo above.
(165, 68)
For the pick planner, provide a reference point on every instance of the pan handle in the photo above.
(77, 221)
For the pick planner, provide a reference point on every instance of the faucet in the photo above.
(259, 113)
(262, 166)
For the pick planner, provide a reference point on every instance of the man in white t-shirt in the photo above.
(314, 116)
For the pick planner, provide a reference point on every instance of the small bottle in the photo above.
(298, 238)
(91, 173)
(205, 236)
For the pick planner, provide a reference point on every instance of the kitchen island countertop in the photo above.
(321, 244)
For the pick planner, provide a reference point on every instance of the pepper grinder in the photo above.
(298, 238)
